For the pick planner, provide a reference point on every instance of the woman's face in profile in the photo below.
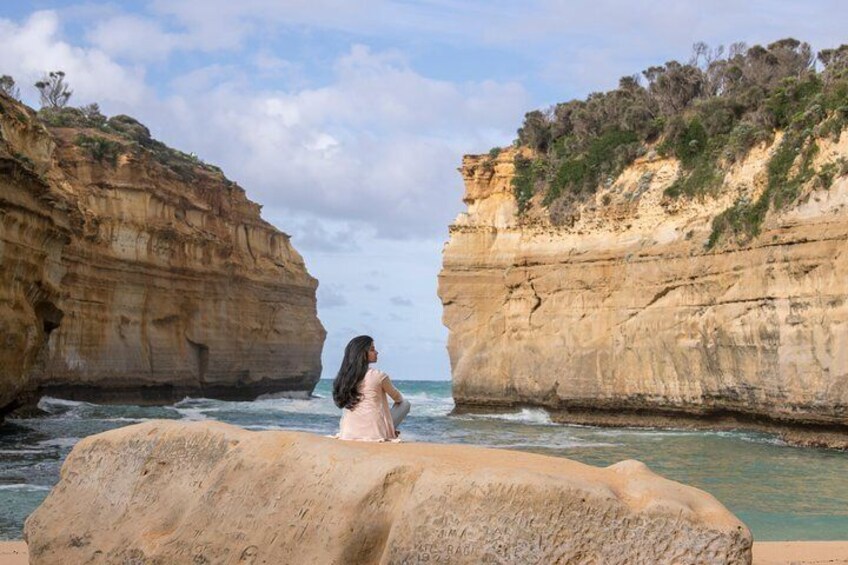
(372, 354)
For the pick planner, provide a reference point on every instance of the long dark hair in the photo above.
(354, 366)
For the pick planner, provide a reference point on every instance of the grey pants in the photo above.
(399, 411)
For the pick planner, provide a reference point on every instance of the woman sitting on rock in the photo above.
(361, 392)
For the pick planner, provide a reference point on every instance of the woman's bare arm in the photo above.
(390, 389)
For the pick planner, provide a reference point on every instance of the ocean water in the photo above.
(781, 492)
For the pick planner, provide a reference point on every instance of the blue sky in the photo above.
(347, 120)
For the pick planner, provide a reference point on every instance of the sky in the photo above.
(347, 120)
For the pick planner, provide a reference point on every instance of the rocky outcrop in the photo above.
(130, 271)
(35, 227)
(625, 316)
(206, 492)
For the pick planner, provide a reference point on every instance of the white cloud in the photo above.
(222, 23)
(313, 234)
(34, 47)
(608, 39)
(331, 297)
(267, 66)
(134, 38)
(378, 145)
(215, 77)
(213, 24)
(401, 301)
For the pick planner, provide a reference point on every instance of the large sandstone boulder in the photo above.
(171, 492)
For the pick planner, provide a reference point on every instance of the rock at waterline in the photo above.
(207, 492)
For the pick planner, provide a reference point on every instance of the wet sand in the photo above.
(765, 553)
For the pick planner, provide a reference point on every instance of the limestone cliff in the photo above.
(130, 271)
(207, 492)
(625, 314)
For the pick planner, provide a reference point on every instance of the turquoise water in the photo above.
(781, 492)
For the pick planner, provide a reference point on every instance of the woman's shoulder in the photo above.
(375, 374)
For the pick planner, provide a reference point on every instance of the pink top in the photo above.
(370, 419)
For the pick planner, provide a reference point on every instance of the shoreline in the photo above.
(812, 435)
(25, 405)
(765, 552)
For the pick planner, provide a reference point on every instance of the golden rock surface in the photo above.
(208, 492)
(624, 316)
(129, 279)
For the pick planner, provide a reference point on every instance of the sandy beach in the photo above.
(13, 553)
(765, 553)
(801, 552)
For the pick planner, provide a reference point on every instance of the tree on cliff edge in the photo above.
(8, 87)
(54, 90)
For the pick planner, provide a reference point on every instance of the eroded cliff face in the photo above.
(626, 316)
(127, 279)
(35, 226)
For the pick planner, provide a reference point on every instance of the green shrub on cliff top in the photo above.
(522, 182)
(604, 157)
(67, 117)
(789, 168)
(99, 148)
(708, 113)
(136, 134)
(698, 154)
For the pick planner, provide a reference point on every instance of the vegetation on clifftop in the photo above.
(102, 139)
(708, 113)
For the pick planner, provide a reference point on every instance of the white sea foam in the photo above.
(422, 396)
(646, 432)
(191, 401)
(193, 414)
(553, 444)
(273, 428)
(21, 451)
(51, 401)
(25, 487)
(752, 437)
(68, 408)
(318, 406)
(312, 405)
(424, 404)
(291, 394)
(532, 416)
(662, 433)
(59, 442)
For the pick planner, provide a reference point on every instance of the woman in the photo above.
(361, 392)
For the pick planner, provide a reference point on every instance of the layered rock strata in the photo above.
(206, 492)
(129, 279)
(35, 227)
(626, 316)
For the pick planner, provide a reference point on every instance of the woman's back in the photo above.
(370, 419)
